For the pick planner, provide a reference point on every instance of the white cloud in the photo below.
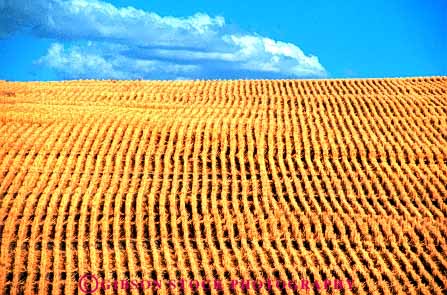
(264, 54)
(76, 63)
(98, 20)
(98, 61)
(125, 43)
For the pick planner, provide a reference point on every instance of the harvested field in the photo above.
(290, 180)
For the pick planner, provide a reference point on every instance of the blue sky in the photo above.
(135, 39)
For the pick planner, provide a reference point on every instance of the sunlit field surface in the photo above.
(291, 180)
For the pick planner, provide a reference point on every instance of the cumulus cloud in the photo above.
(95, 39)
(77, 63)
(101, 61)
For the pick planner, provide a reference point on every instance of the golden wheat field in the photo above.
(224, 187)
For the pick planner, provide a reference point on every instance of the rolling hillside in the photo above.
(337, 185)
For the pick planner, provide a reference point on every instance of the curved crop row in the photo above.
(279, 179)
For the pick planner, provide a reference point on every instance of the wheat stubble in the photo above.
(254, 179)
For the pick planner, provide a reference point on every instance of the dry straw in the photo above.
(285, 179)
